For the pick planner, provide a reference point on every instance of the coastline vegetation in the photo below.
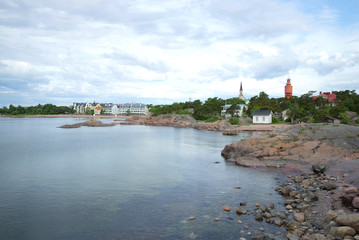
(47, 109)
(300, 109)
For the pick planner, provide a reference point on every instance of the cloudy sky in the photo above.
(162, 51)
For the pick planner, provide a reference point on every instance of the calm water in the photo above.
(122, 182)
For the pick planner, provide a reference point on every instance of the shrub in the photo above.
(344, 118)
(357, 121)
(233, 121)
(275, 120)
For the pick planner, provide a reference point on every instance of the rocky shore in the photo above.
(321, 191)
(89, 123)
(187, 121)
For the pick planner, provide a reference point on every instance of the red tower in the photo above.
(288, 90)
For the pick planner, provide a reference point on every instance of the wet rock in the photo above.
(257, 205)
(291, 236)
(330, 215)
(227, 209)
(217, 219)
(351, 220)
(240, 211)
(289, 201)
(267, 215)
(341, 232)
(319, 168)
(350, 190)
(239, 222)
(299, 217)
(259, 237)
(311, 197)
(288, 207)
(298, 179)
(259, 217)
(243, 204)
(192, 218)
(278, 222)
(318, 236)
(271, 205)
(328, 186)
(307, 238)
(356, 202)
(285, 191)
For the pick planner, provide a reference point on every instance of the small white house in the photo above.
(262, 116)
(238, 112)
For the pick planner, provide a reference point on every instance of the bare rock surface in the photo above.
(299, 146)
(89, 123)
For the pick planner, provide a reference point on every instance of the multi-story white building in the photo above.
(133, 108)
(114, 109)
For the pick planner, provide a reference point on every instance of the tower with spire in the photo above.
(241, 93)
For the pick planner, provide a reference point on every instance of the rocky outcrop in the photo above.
(89, 123)
(297, 146)
(187, 121)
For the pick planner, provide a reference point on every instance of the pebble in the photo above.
(239, 222)
(192, 218)
(217, 219)
(227, 209)
(257, 205)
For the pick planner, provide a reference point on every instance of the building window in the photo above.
(264, 118)
(256, 119)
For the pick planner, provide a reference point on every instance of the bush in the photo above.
(275, 120)
(344, 118)
(357, 121)
(233, 120)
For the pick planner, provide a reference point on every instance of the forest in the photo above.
(47, 109)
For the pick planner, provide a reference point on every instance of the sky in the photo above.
(165, 51)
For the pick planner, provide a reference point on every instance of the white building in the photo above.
(238, 112)
(262, 116)
(133, 109)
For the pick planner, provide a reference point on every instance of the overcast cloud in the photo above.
(62, 51)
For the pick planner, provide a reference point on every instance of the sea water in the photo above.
(124, 182)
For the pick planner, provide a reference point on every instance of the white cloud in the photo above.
(172, 50)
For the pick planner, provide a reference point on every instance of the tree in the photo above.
(128, 112)
(232, 110)
(294, 111)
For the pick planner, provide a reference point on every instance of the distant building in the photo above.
(133, 108)
(238, 113)
(288, 90)
(262, 116)
(330, 96)
(241, 93)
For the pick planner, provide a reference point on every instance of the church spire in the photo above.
(241, 93)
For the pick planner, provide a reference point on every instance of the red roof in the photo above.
(328, 95)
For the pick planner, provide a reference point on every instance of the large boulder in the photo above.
(351, 220)
(341, 232)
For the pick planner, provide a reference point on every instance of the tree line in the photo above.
(303, 108)
(47, 109)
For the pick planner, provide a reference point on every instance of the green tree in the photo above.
(128, 112)
(344, 118)
(232, 110)
(294, 111)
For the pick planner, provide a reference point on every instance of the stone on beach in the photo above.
(192, 218)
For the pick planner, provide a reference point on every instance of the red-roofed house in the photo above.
(328, 95)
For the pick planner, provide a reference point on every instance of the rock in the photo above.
(330, 215)
(278, 222)
(271, 205)
(306, 238)
(318, 236)
(351, 220)
(341, 232)
(289, 201)
(227, 209)
(257, 205)
(192, 218)
(259, 237)
(240, 211)
(243, 204)
(216, 219)
(288, 207)
(298, 179)
(311, 197)
(237, 187)
(356, 202)
(356, 237)
(267, 215)
(350, 190)
(284, 191)
(239, 222)
(259, 217)
(319, 168)
(299, 217)
(291, 236)
(328, 186)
